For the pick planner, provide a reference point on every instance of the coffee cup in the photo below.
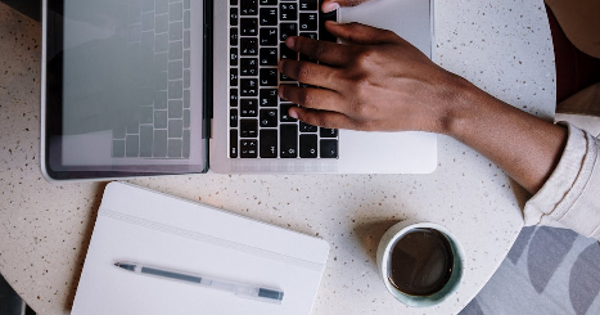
(421, 264)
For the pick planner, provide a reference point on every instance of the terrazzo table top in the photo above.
(504, 47)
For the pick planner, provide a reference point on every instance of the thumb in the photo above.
(332, 5)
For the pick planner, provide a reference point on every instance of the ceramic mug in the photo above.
(386, 245)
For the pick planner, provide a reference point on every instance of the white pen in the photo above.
(259, 293)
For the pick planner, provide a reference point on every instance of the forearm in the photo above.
(526, 147)
(380, 82)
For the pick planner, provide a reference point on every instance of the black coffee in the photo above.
(421, 262)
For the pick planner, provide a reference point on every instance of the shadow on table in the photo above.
(369, 235)
(521, 195)
(68, 303)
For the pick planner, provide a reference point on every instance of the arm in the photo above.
(526, 147)
(380, 82)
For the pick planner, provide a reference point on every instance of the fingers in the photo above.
(332, 5)
(313, 98)
(327, 52)
(310, 73)
(325, 119)
(361, 34)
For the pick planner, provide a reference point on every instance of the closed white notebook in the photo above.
(142, 226)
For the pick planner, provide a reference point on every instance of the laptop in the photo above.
(158, 87)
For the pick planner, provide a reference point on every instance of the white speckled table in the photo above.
(504, 47)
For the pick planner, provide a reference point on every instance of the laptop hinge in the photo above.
(208, 69)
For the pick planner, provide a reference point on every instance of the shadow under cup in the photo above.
(387, 244)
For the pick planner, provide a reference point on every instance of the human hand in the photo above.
(332, 5)
(376, 82)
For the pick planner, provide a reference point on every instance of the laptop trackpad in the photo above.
(396, 152)
(411, 19)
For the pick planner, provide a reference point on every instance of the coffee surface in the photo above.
(421, 262)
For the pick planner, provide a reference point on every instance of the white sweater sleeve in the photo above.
(571, 196)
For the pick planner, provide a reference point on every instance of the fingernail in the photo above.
(290, 42)
(293, 114)
(280, 92)
(330, 6)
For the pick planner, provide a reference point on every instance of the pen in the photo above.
(240, 289)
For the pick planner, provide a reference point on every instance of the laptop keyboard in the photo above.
(259, 124)
(159, 33)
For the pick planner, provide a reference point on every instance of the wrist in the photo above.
(459, 110)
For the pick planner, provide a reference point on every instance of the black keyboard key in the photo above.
(268, 16)
(328, 133)
(284, 116)
(249, 149)
(323, 33)
(268, 2)
(286, 30)
(268, 57)
(268, 118)
(233, 118)
(249, 128)
(309, 5)
(268, 36)
(288, 11)
(233, 36)
(233, 77)
(249, 47)
(308, 21)
(233, 2)
(329, 149)
(311, 35)
(287, 53)
(233, 16)
(283, 77)
(249, 107)
(304, 127)
(233, 97)
(268, 143)
(233, 144)
(249, 87)
(268, 77)
(268, 97)
(249, 27)
(249, 7)
(308, 146)
(233, 56)
(289, 141)
(249, 67)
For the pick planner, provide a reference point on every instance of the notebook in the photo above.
(136, 224)
(152, 87)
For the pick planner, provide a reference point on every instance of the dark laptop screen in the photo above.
(118, 92)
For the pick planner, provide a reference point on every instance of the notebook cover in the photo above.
(146, 227)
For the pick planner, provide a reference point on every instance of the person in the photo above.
(380, 82)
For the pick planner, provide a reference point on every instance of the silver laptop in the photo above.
(156, 87)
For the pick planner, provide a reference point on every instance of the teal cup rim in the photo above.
(414, 300)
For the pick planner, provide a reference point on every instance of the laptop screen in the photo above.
(118, 90)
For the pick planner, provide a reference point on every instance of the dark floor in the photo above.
(10, 302)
